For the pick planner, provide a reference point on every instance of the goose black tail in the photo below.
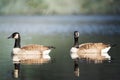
(113, 45)
(51, 47)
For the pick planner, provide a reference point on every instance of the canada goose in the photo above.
(93, 51)
(33, 50)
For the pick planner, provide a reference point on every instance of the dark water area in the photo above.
(58, 31)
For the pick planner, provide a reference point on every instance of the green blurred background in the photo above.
(59, 7)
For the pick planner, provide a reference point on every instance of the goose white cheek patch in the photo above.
(16, 36)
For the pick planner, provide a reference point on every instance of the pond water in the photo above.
(58, 31)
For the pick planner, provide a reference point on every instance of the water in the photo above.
(58, 31)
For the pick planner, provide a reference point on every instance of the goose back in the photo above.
(32, 47)
(93, 46)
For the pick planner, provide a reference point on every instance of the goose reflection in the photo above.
(92, 57)
(29, 60)
(76, 68)
(16, 70)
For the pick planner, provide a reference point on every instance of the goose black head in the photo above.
(15, 35)
(76, 34)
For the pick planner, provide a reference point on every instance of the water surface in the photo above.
(58, 31)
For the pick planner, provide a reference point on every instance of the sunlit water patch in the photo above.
(61, 24)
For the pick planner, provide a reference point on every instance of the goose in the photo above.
(31, 51)
(93, 51)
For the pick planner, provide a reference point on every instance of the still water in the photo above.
(58, 31)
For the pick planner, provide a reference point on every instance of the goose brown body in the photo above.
(32, 47)
(92, 47)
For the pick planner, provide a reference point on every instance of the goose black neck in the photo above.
(76, 69)
(17, 43)
(76, 43)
